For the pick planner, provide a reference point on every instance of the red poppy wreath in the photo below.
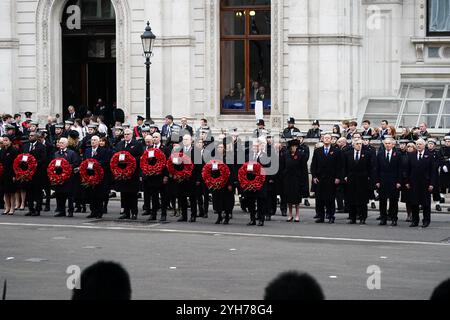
(123, 165)
(91, 173)
(251, 176)
(215, 174)
(59, 171)
(180, 167)
(25, 166)
(153, 162)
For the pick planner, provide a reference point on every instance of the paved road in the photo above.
(206, 261)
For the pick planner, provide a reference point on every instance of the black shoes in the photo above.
(290, 219)
(320, 221)
(163, 218)
(394, 223)
(413, 225)
(426, 224)
(438, 207)
(219, 220)
(192, 219)
(59, 215)
(152, 217)
(382, 223)
(70, 214)
(331, 220)
(261, 224)
(124, 217)
(252, 223)
(316, 216)
(307, 203)
(351, 222)
(134, 217)
(29, 214)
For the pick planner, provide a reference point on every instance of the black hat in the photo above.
(260, 122)
(145, 129)
(8, 136)
(28, 114)
(291, 120)
(9, 127)
(74, 134)
(316, 123)
(293, 142)
(140, 118)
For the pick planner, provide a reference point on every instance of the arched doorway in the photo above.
(88, 54)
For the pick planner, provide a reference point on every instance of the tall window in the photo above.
(245, 55)
(438, 17)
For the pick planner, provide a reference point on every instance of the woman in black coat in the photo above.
(7, 156)
(223, 199)
(295, 170)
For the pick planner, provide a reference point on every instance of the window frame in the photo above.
(246, 38)
(433, 33)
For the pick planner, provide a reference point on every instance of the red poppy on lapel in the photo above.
(295, 157)
(331, 152)
(394, 154)
(362, 156)
(425, 156)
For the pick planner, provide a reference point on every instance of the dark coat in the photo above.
(135, 149)
(39, 152)
(420, 174)
(155, 181)
(388, 174)
(295, 169)
(326, 169)
(74, 160)
(103, 157)
(358, 175)
(7, 157)
(445, 161)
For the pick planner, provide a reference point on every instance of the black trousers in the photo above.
(426, 212)
(96, 205)
(323, 206)
(257, 206)
(358, 211)
(61, 199)
(34, 196)
(271, 200)
(130, 203)
(155, 193)
(393, 208)
(340, 197)
(186, 191)
(283, 203)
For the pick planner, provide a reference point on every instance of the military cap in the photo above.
(9, 127)
(140, 118)
(28, 114)
(145, 129)
(59, 125)
(260, 122)
(291, 120)
(432, 140)
(34, 123)
(446, 138)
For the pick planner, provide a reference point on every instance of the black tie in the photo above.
(420, 156)
(357, 155)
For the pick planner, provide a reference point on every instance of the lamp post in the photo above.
(148, 40)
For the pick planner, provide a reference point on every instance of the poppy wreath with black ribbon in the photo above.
(1, 170)
(153, 164)
(58, 175)
(251, 180)
(25, 166)
(91, 173)
(182, 170)
(215, 179)
(123, 170)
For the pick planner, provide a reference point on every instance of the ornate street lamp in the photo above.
(148, 40)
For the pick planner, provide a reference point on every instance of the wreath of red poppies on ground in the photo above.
(91, 173)
(183, 170)
(123, 170)
(254, 184)
(153, 165)
(25, 166)
(58, 175)
(1, 170)
(220, 181)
